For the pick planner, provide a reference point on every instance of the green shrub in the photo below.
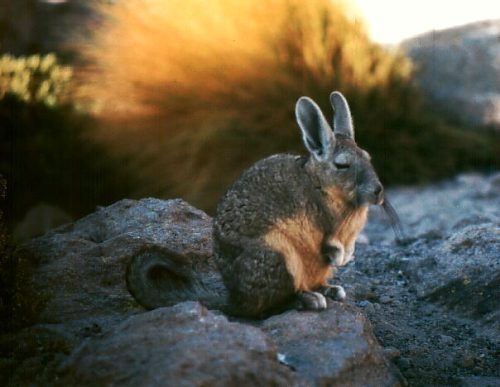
(46, 153)
(37, 78)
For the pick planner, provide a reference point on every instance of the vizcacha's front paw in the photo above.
(312, 301)
(334, 252)
(335, 292)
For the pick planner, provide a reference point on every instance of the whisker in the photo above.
(394, 220)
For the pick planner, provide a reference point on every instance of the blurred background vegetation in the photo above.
(177, 98)
(46, 154)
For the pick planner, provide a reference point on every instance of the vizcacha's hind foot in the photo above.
(335, 292)
(311, 301)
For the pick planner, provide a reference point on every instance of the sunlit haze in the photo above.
(391, 21)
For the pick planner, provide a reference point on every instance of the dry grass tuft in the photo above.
(195, 92)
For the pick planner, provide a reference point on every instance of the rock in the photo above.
(325, 347)
(404, 363)
(458, 68)
(184, 345)
(385, 299)
(445, 339)
(71, 282)
(83, 326)
(469, 271)
(482, 381)
(78, 270)
(460, 271)
(467, 360)
(391, 352)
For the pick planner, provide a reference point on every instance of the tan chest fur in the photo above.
(350, 222)
(350, 227)
(299, 240)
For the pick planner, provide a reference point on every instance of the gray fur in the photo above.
(316, 133)
(278, 188)
(273, 189)
(342, 119)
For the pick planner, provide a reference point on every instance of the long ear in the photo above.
(316, 133)
(342, 120)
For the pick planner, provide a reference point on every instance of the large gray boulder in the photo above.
(77, 272)
(84, 327)
(459, 68)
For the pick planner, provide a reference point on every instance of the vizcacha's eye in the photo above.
(342, 166)
(342, 162)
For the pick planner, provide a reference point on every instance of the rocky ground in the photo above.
(425, 307)
(434, 296)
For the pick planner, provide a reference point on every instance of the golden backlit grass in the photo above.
(168, 57)
(195, 91)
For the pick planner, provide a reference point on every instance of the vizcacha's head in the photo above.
(336, 162)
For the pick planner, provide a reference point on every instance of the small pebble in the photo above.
(404, 362)
(391, 352)
(370, 309)
(445, 339)
(467, 361)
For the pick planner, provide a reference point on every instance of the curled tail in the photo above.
(157, 276)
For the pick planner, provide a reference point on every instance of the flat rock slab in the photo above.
(184, 345)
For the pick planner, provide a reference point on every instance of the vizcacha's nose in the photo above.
(378, 192)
